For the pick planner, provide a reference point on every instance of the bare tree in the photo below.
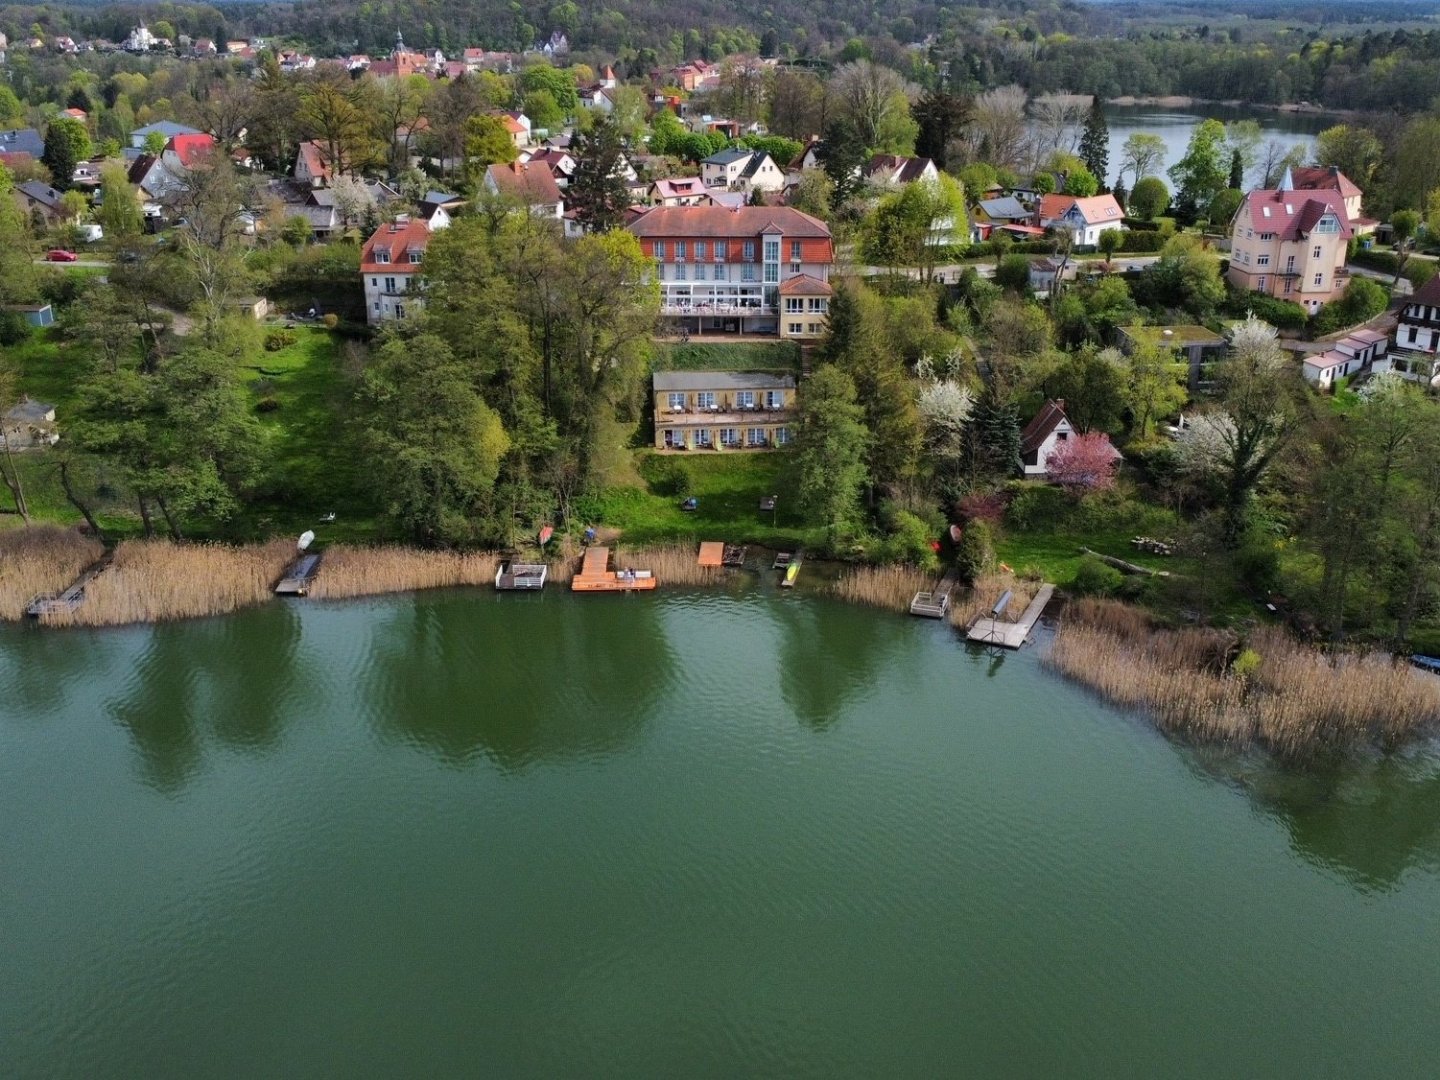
(875, 99)
(997, 128)
(1055, 121)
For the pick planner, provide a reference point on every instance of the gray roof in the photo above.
(727, 157)
(723, 380)
(1007, 207)
(40, 192)
(441, 198)
(756, 160)
(22, 141)
(168, 128)
(30, 412)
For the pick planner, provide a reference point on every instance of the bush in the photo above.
(1284, 314)
(666, 476)
(1361, 301)
(267, 405)
(276, 340)
(1094, 578)
(13, 328)
(1257, 564)
(331, 321)
(909, 541)
(1036, 506)
(987, 506)
(1136, 241)
(975, 554)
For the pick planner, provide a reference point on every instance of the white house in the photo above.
(1046, 433)
(1084, 219)
(893, 170)
(390, 265)
(1362, 349)
(739, 169)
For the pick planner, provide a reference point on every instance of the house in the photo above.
(808, 158)
(532, 185)
(204, 47)
(29, 423)
(38, 197)
(159, 176)
(1047, 431)
(1003, 214)
(1198, 344)
(140, 40)
(683, 191)
(1083, 219)
(37, 315)
(390, 264)
(312, 164)
(1330, 178)
(1352, 353)
(1417, 334)
(560, 163)
(1291, 244)
(1045, 272)
(742, 170)
(893, 170)
(168, 128)
(518, 125)
(726, 270)
(76, 114)
(722, 410)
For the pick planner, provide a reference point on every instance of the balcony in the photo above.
(755, 310)
(722, 416)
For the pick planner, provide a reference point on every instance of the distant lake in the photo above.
(1176, 126)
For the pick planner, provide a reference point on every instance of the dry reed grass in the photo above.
(983, 594)
(348, 571)
(157, 580)
(40, 560)
(889, 587)
(673, 564)
(1296, 701)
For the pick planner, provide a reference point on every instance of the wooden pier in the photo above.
(299, 576)
(521, 576)
(1010, 635)
(717, 553)
(45, 606)
(936, 603)
(596, 576)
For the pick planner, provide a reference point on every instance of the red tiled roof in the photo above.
(682, 187)
(902, 169)
(191, 148)
(1040, 427)
(398, 239)
(1428, 294)
(805, 285)
(1293, 214)
(313, 154)
(1323, 177)
(721, 221)
(534, 186)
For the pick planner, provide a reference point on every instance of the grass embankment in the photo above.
(1268, 690)
(726, 356)
(729, 487)
(40, 560)
(158, 580)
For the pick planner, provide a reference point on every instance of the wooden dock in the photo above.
(66, 602)
(1010, 635)
(299, 576)
(935, 604)
(596, 576)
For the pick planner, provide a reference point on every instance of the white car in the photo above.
(91, 233)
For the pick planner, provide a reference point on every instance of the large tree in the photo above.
(876, 100)
(940, 118)
(830, 441)
(1203, 172)
(1142, 155)
(1095, 142)
(597, 191)
(67, 143)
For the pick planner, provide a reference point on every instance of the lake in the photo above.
(722, 834)
(1176, 126)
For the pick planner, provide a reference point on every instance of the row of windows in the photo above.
(382, 256)
(794, 305)
(806, 328)
(705, 400)
(718, 251)
(1264, 236)
(732, 437)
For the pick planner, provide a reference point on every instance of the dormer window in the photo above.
(415, 256)
(382, 256)
(1328, 224)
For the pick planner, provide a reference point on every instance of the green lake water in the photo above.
(678, 835)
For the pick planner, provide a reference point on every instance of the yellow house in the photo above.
(723, 410)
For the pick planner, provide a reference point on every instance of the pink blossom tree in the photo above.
(1084, 463)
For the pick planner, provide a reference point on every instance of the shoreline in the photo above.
(1181, 101)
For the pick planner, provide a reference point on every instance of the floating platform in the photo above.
(596, 576)
(712, 553)
(67, 601)
(299, 577)
(935, 604)
(1010, 635)
(734, 555)
(521, 576)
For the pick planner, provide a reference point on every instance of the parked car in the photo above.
(60, 255)
(92, 234)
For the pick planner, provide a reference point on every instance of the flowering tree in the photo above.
(1084, 463)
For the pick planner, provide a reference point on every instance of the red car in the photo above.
(60, 255)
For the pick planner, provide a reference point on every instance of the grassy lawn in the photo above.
(729, 487)
(727, 356)
(1056, 556)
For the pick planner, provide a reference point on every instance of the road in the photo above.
(94, 264)
(952, 271)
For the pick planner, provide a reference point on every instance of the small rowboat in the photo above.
(792, 569)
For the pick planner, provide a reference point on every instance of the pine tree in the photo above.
(597, 191)
(993, 435)
(1095, 142)
(1237, 171)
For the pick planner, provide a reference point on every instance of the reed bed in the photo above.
(983, 594)
(159, 580)
(1293, 700)
(40, 560)
(673, 564)
(349, 570)
(888, 587)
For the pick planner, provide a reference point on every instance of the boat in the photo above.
(545, 534)
(955, 533)
(1426, 663)
(792, 569)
